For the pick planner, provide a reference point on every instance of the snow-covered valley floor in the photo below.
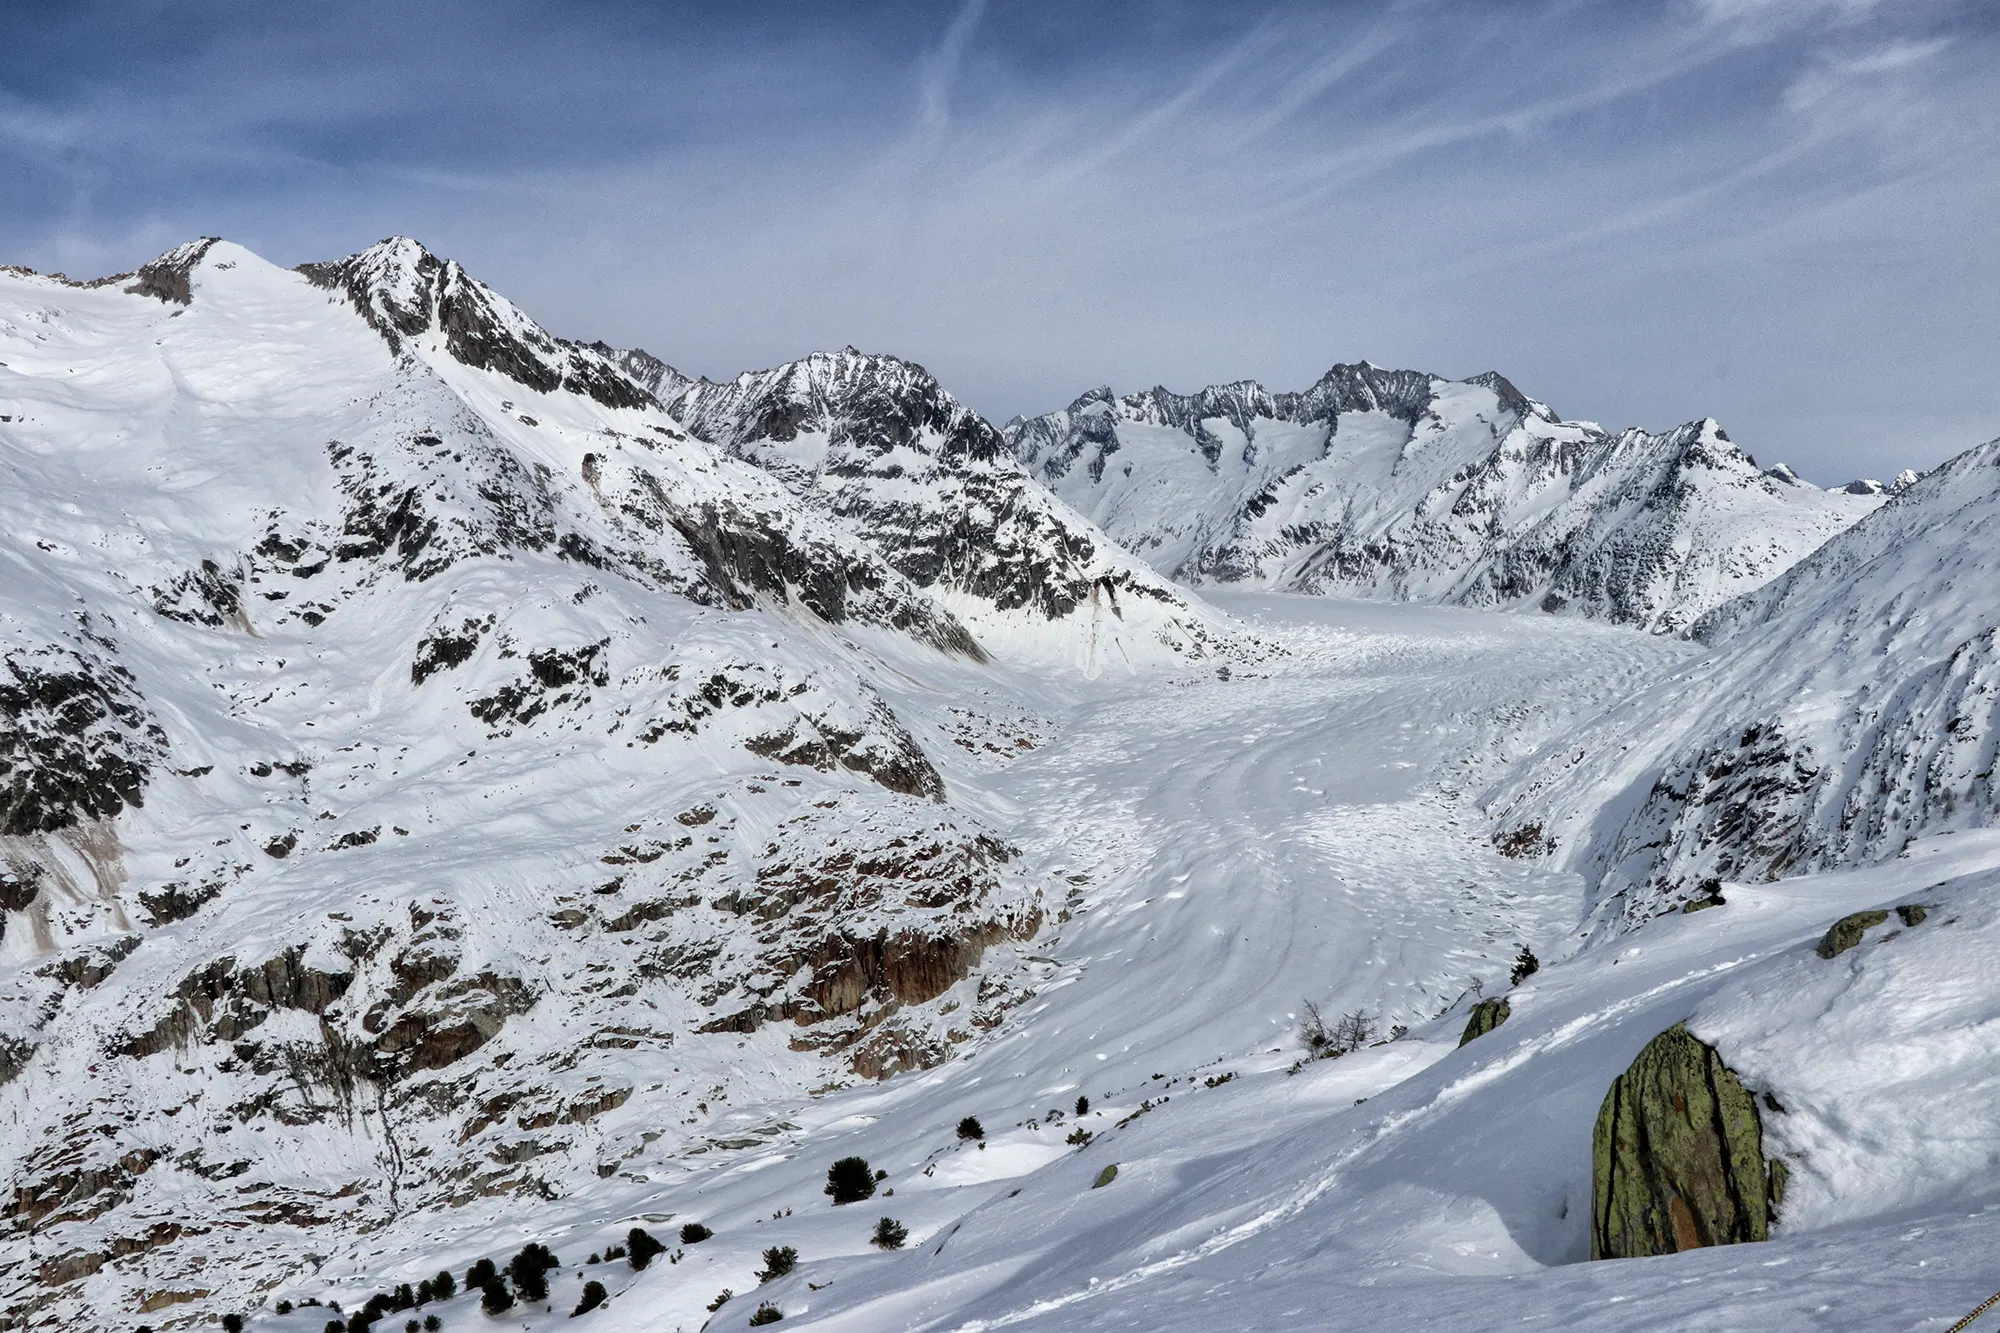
(1231, 846)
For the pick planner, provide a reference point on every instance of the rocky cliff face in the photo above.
(1847, 708)
(1398, 484)
(426, 774)
(878, 443)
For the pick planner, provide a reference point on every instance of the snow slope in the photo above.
(1397, 484)
(1847, 708)
(931, 485)
(1310, 831)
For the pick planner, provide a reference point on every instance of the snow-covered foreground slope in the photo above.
(1845, 709)
(1309, 831)
(1396, 484)
(932, 486)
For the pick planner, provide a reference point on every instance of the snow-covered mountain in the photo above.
(1847, 708)
(879, 443)
(1397, 484)
(413, 745)
(449, 801)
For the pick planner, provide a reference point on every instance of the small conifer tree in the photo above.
(593, 1296)
(778, 1261)
(765, 1313)
(494, 1298)
(643, 1248)
(442, 1287)
(970, 1128)
(1083, 1106)
(1525, 966)
(850, 1181)
(889, 1234)
(481, 1274)
(694, 1233)
(530, 1271)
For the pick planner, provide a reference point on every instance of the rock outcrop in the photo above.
(1485, 1016)
(1677, 1156)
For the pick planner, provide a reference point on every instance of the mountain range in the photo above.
(461, 786)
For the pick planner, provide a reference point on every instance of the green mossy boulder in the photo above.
(1485, 1016)
(1678, 1157)
(1845, 933)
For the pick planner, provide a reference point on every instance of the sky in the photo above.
(1783, 214)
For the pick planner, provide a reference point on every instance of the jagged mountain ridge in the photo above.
(879, 443)
(415, 747)
(1848, 707)
(1399, 484)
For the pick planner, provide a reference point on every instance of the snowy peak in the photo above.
(1403, 394)
(1404, 485)
(933, 486)
(404, 291)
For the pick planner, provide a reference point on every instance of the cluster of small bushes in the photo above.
(1329, 1041)
(525, 1278)
(383, 1304)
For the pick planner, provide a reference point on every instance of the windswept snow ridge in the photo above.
(1397, 484)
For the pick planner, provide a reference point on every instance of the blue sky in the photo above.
(1781, 213)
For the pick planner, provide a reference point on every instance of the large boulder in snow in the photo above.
(1678, 1156)
(1485, 1016)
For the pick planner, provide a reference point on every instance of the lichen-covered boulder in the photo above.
(1845, 933)
(1677, 1158)
(1485, 1016)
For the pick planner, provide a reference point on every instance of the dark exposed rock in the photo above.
(1485, 1016)
(14, 1056)
(555, 676)
(208, 596)
(1677, 1155)
(444, 648)
(747, 559)
(1847, 932)
(76, 741)
(468, 1014)
(168, 278)
(931, 484)
(176, 901)
(403, 290)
